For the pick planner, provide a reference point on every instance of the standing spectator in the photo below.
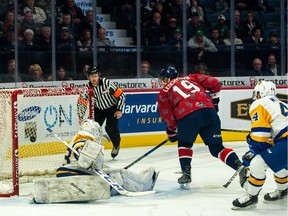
(200, 44)
(39, 15)
(193, 24)
(108, 102)
(249, 24)
(102, 41)
(145, 69)
(11, 75)
(156, 32)
(272, 65)
(176, 42)
(188, 110)
(35, 72)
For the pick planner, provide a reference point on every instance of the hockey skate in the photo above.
(115, 151)
(275, 195)
(246, 202)
(185, 181)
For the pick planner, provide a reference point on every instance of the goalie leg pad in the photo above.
(70, 189)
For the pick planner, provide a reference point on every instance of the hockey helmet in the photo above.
(263, 89)
(167, 73)
(92, 127)
(93, 70)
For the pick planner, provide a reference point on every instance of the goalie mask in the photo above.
(263, 89)
(93, 128)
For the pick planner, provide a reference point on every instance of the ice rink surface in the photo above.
(207, 196)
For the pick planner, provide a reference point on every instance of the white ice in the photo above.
(206, 197)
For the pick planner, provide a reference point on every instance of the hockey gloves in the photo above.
(172, 135)
(247, 157)
(216, 102)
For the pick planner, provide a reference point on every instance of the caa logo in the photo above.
(29, 113)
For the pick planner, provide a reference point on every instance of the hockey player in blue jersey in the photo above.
(267, 146)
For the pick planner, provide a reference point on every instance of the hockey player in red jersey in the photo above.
(188, 110)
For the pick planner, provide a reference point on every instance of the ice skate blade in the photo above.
(244, 208)
(185, 186)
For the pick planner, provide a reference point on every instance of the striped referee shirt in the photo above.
(106, 95)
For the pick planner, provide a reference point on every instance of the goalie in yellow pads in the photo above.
(73, 185)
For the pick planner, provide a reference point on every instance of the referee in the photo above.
(108, 102)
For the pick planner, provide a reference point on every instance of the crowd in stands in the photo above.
(207, 27)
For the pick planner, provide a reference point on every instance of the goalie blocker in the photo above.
(70, 189)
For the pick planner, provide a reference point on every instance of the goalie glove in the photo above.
(247, 157)
(172, 135)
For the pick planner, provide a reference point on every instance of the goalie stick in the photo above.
(104, 176)
(147, 153)
(240, 168)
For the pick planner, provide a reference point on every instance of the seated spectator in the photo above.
(44, 42)
(61, 74)
(237, 23)
(176, 42)
(273, 41)
(11, 75)
(258, 69)
(65, 43)
(102, 41)
(88, 22)
(7, 42)
(28, 23)
(272, 65)
(85, 42)
(202, 68)
(78, 17)
(67, 22)
(27, 44)
(172, 25)
(83, 74)
(8, 22)
(255, 39)
(215, 38)
(46, 5)
(145, 69)
(249, 24)
(156, 32)
(39, 15)
(222, 27)
(196, 8)
(237, 41)
(193, 24)
(35, 72)
(221, 5)
(200, 44)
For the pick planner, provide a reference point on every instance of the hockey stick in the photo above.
(240, 168)
(104, 176)
(147, 153)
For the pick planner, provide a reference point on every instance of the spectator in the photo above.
(176, 42)
(258, 69)
(221, 5)
(273, 41)
(11, 75)
(88, 22)
(28, 23)
(215, 38)
(7, 43)
(27, 44)
(35, 72)
(39, 15)
(193, 24)
(145, 69)
(44, 42)
(195, 8)
(202, 68)
(177, 11)
(8, 22)
(272, 65)
(102, 41)
(255, 39)
(249, 24)
(84, 73)
(237, 23)
(156, 32)
(67, 22)
(222, 27)
(61, 74)
(78, 17)
(85, 42)
(172, 25)
(46, 5)
(200, 44)
(238, 42)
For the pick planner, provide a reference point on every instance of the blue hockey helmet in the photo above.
(167, 73)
